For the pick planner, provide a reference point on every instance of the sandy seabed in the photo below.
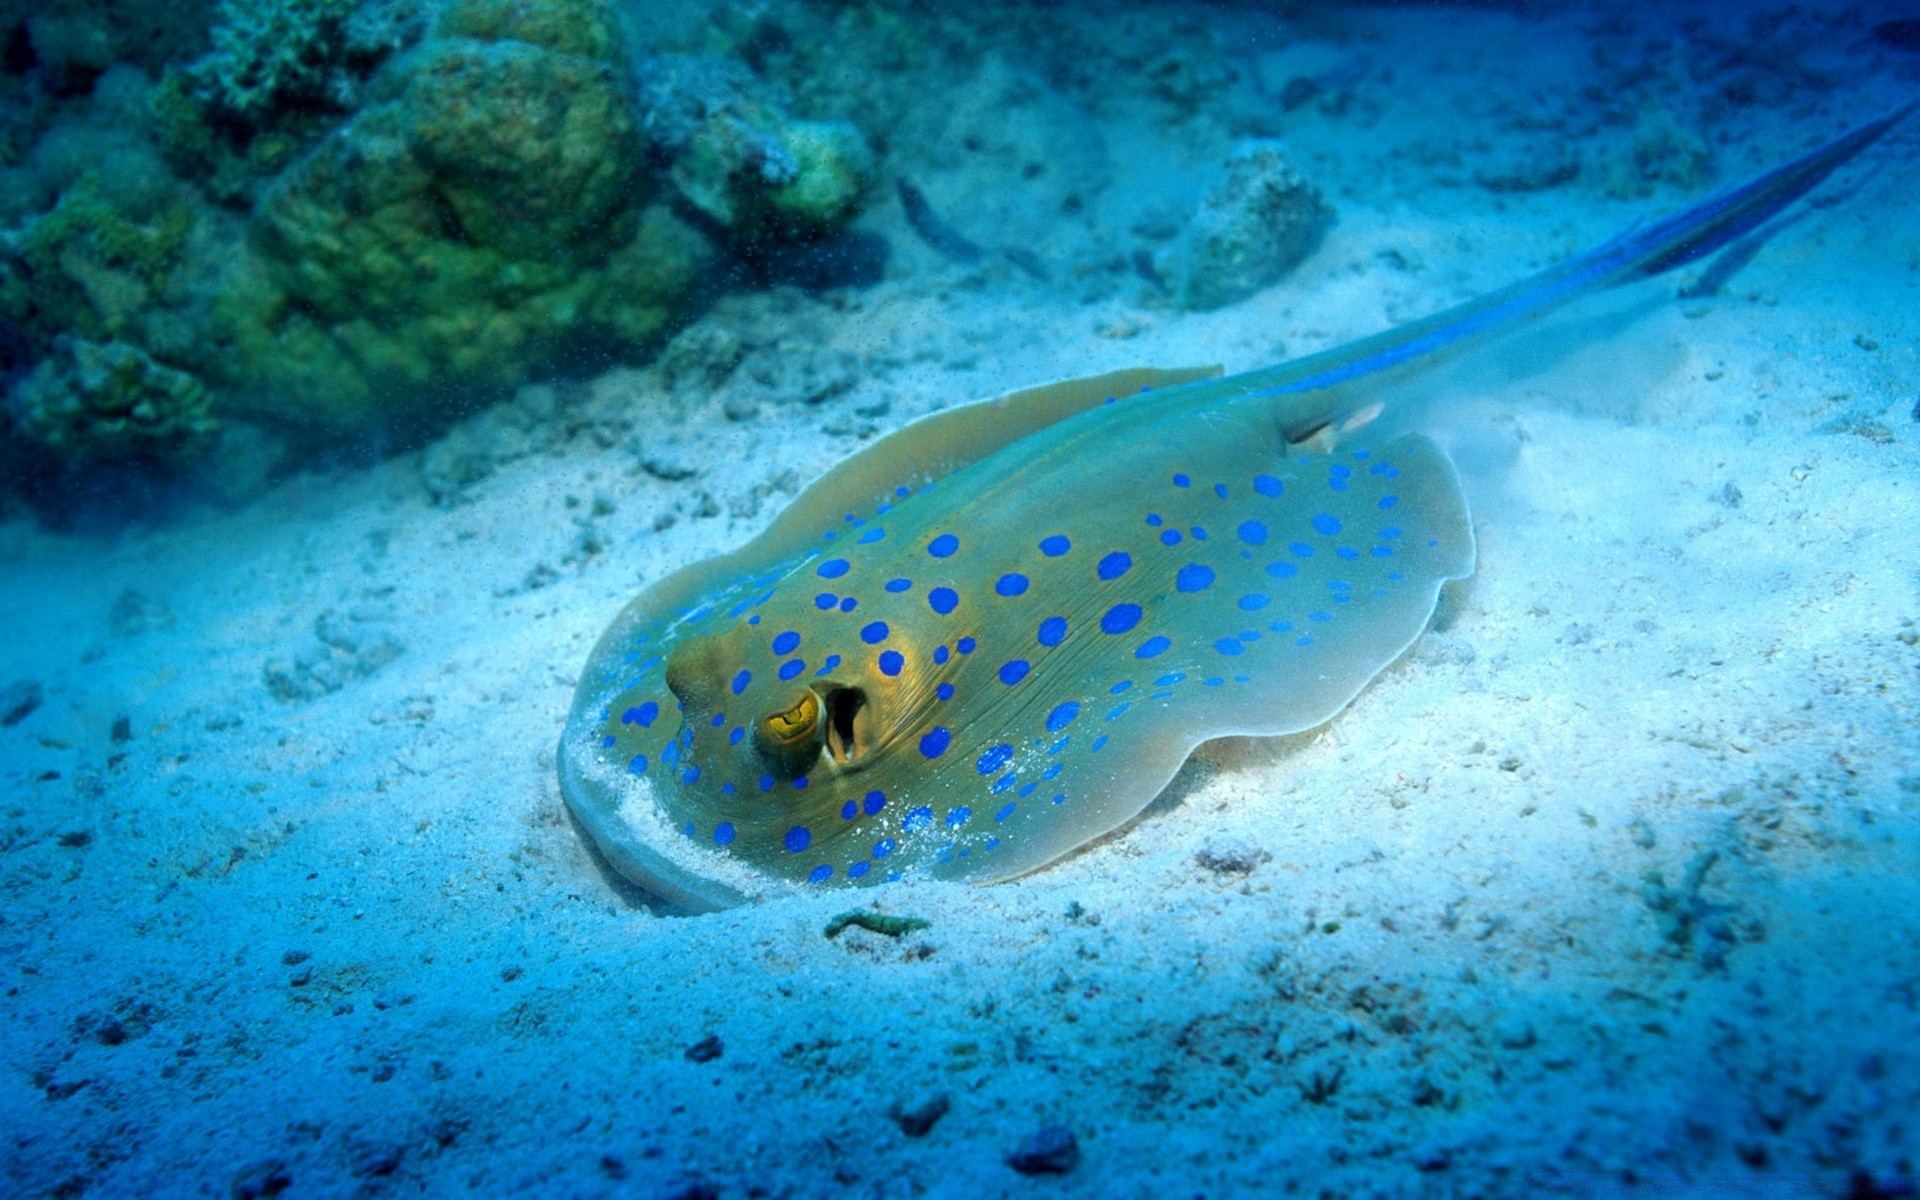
(1610, 882)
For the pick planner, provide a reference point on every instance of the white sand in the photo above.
(1616, 871)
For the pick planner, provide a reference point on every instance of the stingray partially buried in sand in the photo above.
(997, 633)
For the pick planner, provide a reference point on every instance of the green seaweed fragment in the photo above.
(877, 923)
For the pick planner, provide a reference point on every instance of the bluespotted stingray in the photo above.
(996, 634)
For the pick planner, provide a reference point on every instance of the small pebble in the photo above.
(18, 700)
(690, 1188)
(1230, 856)
(259, 1181)
(294, 958)
(918, 1118)
(509, 974)
(706, 1049)
(1052, 1151)
(122, 729)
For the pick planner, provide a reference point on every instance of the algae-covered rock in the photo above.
(737, 157)
(88, 402)
(483, 221)
(1256, 223)
(90, 266)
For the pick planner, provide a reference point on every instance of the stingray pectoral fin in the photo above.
(1302, 594)
(935, 446)
(619, 813)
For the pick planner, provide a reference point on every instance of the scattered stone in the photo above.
(668, 468)
(134, 613)
(122, 729)
(689, 1187)
(260, 1181)
(706, 1049)
(1430, 1157)
(18, 700)
(294, 958)
(918, 1118)
(1230, 856)
(1256, 223)
(1532, 169)
(351, 647)
(509, 974)
(111, 1032)
(1728, 495)
(77, 839)
(377, 1163)
(1515, 1033)
(1052, 1151)
(875, 922)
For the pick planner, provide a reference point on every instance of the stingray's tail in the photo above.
(1316, 392)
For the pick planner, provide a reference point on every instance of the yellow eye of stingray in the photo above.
(797, 723)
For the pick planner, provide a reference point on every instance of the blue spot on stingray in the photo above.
(1389, 501)
(1182, 480)
(608, 740)
(943, 600)
(871, 535)
(1301, 550)
(741, 681)
(874, 802)
(1325, 524)
(786, 643)
(1303, 641)
(1006, 810)
(642, 715)
(916, 820)
(833, 568)
(1153, 519)
(943, 546)
(1253, 602)
(1253, 533)
(1229, 646)
(1099, 744)
(1153, 647)
(1268, 486)
(1055, 546)
(1281, 627)
(765, 783)
(1347, 552)
(1282, 570)
(1014, 670)
(800, 783)
(892, 662)
(848, 604)
(1170, 537)
(1122, 686)
(638, 765)
(691, 774)
(934, 742)
(899, 585)
(1194, 577)
(1114, 565)
(901, 492)
(792, 667)
(993, 758)
(1062, 716)
(798, 838)
(874, 632)
(1052, 631)
(1389, 533)
(820, 874)
(941, 654)
(959, 816)
(944, 691)
(1319, 616)
(883, 847)
(1011, 584)
(1120, 618)
(1220, 490)
(1382, 552)
(825, 600)
(833, 660)
(723, 833)
(849, 810)
(965, 645)
(859, 870)
(1169, 680)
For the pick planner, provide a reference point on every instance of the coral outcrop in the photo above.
(1256, 223)
(88, 402)
(738, 158)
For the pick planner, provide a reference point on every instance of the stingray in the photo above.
(996, 634)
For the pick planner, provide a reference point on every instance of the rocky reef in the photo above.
(324, 216)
